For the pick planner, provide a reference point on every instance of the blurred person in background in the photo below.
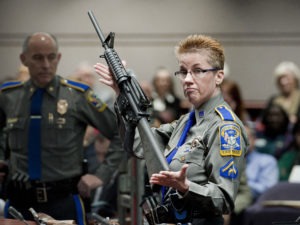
(85, 73)
(233, 96)
(103, 199)
(261, 169)
(147, 88)
(23, 73)
(273, 131)
(287, 75)
(166, 105)
(292, 155)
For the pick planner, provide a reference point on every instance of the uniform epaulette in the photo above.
(225, 113)
(10, 84)
(76, 85)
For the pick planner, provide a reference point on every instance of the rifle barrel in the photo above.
(97, 28)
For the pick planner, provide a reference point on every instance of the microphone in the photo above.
(16, 214)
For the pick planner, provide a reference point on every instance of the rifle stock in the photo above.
(135, 102)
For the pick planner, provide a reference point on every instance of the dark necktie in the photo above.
(34, 135)
(191, 121)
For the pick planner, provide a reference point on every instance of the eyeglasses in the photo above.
(181, 74)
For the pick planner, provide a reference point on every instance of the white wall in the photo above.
(257, 34)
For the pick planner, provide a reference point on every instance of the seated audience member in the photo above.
(287, 76)
(166, 105)
(147, 88)
(148, 91)
(85, 73)
(103, 199)
(233, 96)
(23, 73)
(261, 169)
(273, 133)
(292, 156)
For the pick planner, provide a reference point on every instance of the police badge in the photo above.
(62, 106)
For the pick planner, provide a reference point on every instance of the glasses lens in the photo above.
(180, 74)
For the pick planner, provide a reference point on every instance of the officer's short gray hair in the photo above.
(27, 39)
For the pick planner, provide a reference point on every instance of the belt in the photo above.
(55, 184)
(43, 192)
(200, 214)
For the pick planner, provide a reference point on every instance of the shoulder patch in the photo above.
(75, 84)
(225, 113)
(10, 84)
(230, 139)
(93, 99)
(229, 170)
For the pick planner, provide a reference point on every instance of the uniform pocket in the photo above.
(59, 133)
(188, 156)
(195, 158)
(16, 133)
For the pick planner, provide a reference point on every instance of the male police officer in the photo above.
(45, 120)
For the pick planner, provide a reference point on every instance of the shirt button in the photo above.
(182, 158)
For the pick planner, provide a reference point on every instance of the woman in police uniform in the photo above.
(205, 149)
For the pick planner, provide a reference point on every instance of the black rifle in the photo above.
(134, 102)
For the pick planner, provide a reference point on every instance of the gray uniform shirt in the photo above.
(214, 170)
(68, 107)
